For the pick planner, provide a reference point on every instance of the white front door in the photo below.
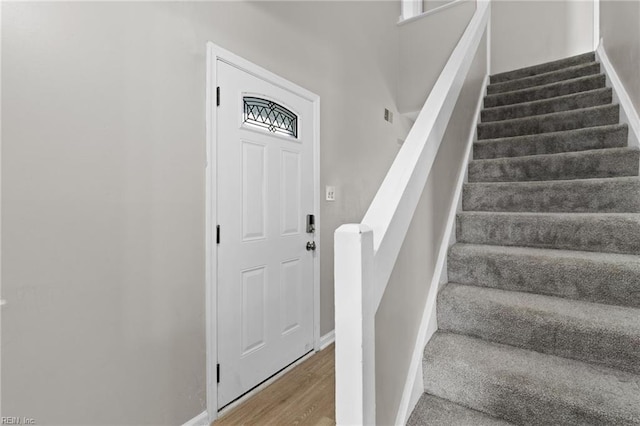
(265, 192)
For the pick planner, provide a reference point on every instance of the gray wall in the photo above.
(400, 312)
(620, 32)
(425, 46)
(529, 32)
(428, 5)
(103, 185)
(103, 181)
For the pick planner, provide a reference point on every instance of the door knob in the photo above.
(311, 246)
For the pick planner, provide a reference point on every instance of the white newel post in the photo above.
(355, 334)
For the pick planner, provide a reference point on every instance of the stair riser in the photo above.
(553, 143)
(593, 196)
(543, 68)
(598, 280)
(525, 397)
(553, 90)
(564, 103)
(539, 329)
(601, 233)
(570, 120)
(539, 80)
(431, 410)
(587, 165)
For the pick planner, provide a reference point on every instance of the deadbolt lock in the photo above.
(311, 223)
(311, 246)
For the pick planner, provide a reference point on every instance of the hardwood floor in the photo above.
(303, 396)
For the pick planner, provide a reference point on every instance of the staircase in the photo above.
(540, 321)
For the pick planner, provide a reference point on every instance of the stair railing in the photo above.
(365, 253)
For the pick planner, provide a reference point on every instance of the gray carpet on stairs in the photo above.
(526, 387)
(614, 136)
(603, 232)
(543, 68)
(540, 321)
(615, 195)
(551, 90)
(612, 162)
(547, 106)
(434, 411)
(576, 71)
(555, 122)
(601, 334)
(593, 277)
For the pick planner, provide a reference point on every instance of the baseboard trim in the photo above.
(201, 419)
(327, 339)
(413, 387)
(628, 113)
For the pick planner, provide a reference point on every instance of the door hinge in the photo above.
(218, 234)
(218, 373)
(218, 96)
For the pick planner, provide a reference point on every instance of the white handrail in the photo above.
(391, 211)
(366, 253)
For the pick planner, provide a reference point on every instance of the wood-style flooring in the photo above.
(303, 396)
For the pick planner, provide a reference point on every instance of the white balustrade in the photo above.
(366, 253)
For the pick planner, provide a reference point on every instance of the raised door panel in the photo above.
(290, 303)
(254, 191)
(254, 289)
(290, 216)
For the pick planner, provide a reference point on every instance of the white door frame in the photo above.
(216, 53)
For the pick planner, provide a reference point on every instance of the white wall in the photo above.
(529, 32)
(620, 32)
(103, 185)
(425, 46)
(400, 312)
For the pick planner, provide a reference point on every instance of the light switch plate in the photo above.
(331, 193)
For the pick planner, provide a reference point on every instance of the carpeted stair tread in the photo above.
(554, 122)
(543, 68)
(612, 136)
(551, 90)
(591, 332)
(597, 232)
(526, 387)
(433, 411)
(601, 163)
(613, 195)
(568, 73)
(580, 275)
(547, 106)
(539, 323)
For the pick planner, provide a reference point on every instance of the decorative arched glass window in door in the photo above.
(270, 116)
